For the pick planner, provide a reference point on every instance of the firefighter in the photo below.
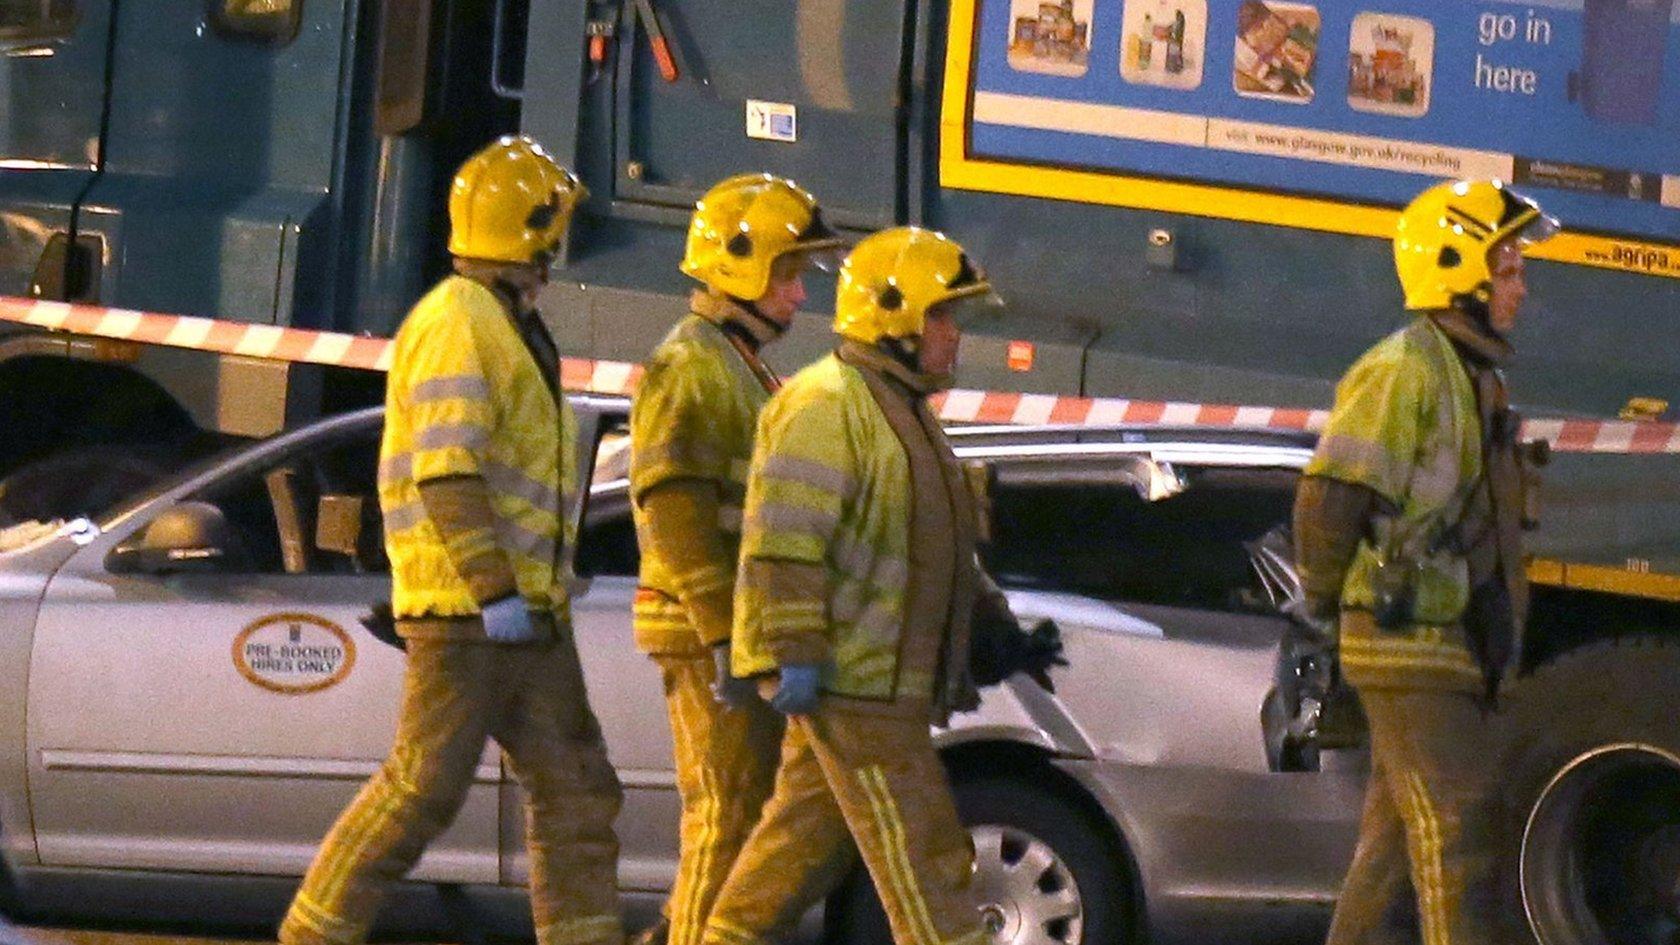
(691, 431)
(477, 473)
(1407, 528)
(857, 586)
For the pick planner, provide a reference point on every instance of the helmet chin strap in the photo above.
(777, 329)
(905, 351)
(513, 295)
(1480, 313)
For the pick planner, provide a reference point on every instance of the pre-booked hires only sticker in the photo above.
(294, 653)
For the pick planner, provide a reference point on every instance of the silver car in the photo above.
(184, 718)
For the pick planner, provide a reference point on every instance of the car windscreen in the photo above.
(1104, 539)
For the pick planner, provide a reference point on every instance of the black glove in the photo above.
(1043, 650)
(383, 625)
(1000, 648)
(1312, 624)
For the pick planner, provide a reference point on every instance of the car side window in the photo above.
(607, 538)
(1104, 539)
(313, 511)
(346, 530)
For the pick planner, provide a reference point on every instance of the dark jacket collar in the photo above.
(753, 329)
(871, 357)
(1475, 341)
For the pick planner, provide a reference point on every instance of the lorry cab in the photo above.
(220, 158)
(280, 163)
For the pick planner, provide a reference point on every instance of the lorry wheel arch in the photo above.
(80, 480)
(1592, 793)
(103, 426)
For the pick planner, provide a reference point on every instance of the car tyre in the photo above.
(1592, 795)
(1047, 872)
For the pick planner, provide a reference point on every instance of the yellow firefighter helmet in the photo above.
(891, 279)
(511, 202)
(1443, 239)
(744, 224)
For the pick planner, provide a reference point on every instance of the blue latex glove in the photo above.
(798, 691)
(509, 621)
(734, 692)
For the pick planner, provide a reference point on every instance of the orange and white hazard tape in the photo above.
(273, 342)
(617, 377)
(977, 406)
(1565, 436)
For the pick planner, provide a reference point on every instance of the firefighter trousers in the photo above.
(1429, 825)
(848, 777)
(726, 764)
(531, 699)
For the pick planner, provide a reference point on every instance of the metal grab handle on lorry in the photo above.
(498, 27)
(657, 41)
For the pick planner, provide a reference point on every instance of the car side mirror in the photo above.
(192, 536)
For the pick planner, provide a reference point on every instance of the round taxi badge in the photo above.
(294, 653)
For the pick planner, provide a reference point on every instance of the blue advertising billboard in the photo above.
(1328, 113)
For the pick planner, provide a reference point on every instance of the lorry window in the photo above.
(29, 21)
(404, 50)
(269, 21)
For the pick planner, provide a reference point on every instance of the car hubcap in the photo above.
(1027, 894)
(1600, 858)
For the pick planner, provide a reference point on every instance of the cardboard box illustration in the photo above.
(1277, 50)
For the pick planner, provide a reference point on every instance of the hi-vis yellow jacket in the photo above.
(830, 488)
(693, 417)
(465, 397)
(1405, 426)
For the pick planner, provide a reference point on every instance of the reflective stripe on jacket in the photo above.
(465, 397)
(1405, 425)
(829, 490)
(692, 417)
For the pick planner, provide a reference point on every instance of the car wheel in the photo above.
(1594, 795)
(1045, 873)
(85, 480)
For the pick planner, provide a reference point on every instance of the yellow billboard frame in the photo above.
(960, 171)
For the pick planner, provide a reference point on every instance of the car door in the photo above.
(1169, 545)
(220, 720)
